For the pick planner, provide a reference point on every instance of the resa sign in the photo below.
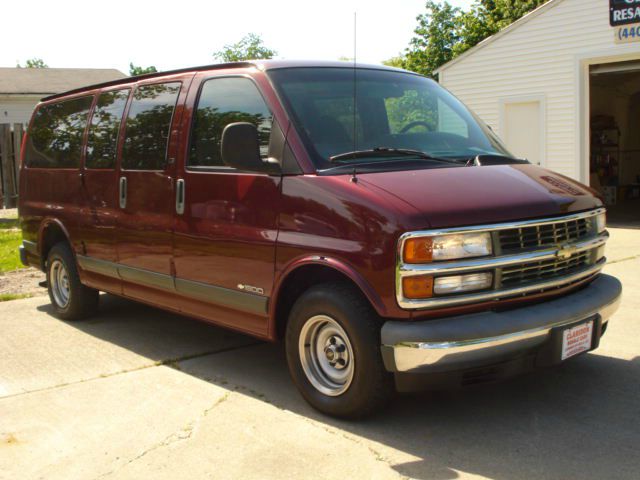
(623, 12)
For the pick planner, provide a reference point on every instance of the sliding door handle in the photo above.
(180, 196)
(123, 192)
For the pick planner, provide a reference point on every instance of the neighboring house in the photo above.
(22, 88)
(561, 86)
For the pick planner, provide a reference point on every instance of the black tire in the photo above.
(371, 385)
(81, 301)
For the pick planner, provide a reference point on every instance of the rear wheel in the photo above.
(70, 299)
(333, 352)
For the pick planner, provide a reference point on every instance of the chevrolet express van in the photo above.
(363, 215)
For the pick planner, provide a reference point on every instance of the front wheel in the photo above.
(333, 352)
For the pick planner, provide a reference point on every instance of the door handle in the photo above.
(180, 196)
(123, 192)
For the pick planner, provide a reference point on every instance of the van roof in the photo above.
(260, 64)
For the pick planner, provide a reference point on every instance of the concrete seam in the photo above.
(181, 435)
(172, 363)
(620, 260)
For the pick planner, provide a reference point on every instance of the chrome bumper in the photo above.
(467, 341)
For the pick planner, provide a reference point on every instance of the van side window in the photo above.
(148, 126)
(102, 142)
(223, 101)
(55, 136)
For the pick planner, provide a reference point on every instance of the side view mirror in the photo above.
(240, 148)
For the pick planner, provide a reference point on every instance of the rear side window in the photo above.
(102, 143)
(148, 125)
(224, 101)
(55, 136)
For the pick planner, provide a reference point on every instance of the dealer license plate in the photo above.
(577, 339)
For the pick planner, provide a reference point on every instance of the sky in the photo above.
(183, 33)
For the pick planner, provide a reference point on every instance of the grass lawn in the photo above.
(10, 240)
(5, 297)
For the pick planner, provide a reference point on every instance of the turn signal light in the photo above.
(417, 287)
(418, 250)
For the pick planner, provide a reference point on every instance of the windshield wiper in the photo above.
(388, 152)
(488, 159)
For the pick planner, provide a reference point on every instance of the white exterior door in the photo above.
(523, 129)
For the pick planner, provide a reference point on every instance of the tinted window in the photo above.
(55, 136)
(333, 120)
(148, 125)
(385, 109)
(224, 101)
(102, 143)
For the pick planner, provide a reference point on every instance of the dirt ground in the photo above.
(22, 282)
(8, 213)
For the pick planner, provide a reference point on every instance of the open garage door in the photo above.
(615, 139)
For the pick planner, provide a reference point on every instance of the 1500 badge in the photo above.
(251, 289)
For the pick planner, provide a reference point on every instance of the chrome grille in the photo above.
(537, 236)
(529, 257)
(525, 273)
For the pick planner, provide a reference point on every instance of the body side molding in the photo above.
(247, 302)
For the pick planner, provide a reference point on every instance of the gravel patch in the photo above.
(22, 282)
(8, 213)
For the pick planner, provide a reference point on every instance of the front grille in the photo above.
(516, 240)
(529, 257)
(526, 273)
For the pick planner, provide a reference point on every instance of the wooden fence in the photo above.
(10, 144)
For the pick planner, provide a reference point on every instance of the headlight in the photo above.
(446, 247)
(601, 222)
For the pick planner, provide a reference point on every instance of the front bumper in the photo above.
(476, 340)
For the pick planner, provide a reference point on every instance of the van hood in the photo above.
(450, 197)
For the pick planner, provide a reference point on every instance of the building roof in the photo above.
(488, 41)
(39, 81)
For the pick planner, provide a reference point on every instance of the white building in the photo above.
(22, 88)
(561, 86)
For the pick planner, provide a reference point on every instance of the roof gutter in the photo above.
(146, 76)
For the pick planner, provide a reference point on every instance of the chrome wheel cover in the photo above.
(59, 281)
(326, 355)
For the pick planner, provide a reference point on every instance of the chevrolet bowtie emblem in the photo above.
(565, 252)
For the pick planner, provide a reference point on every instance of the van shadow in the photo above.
(580, 420)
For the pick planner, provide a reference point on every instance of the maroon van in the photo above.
(364, 215)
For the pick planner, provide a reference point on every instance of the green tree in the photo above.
(397, 62)
(34, 63)
(435, 38)
(136, 70)
(488, 17)
(250, 47)
(444, 32)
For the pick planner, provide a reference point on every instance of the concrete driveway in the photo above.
(140, 393)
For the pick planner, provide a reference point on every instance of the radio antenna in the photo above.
(355, 91)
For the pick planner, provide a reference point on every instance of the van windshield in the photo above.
(340, 110)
